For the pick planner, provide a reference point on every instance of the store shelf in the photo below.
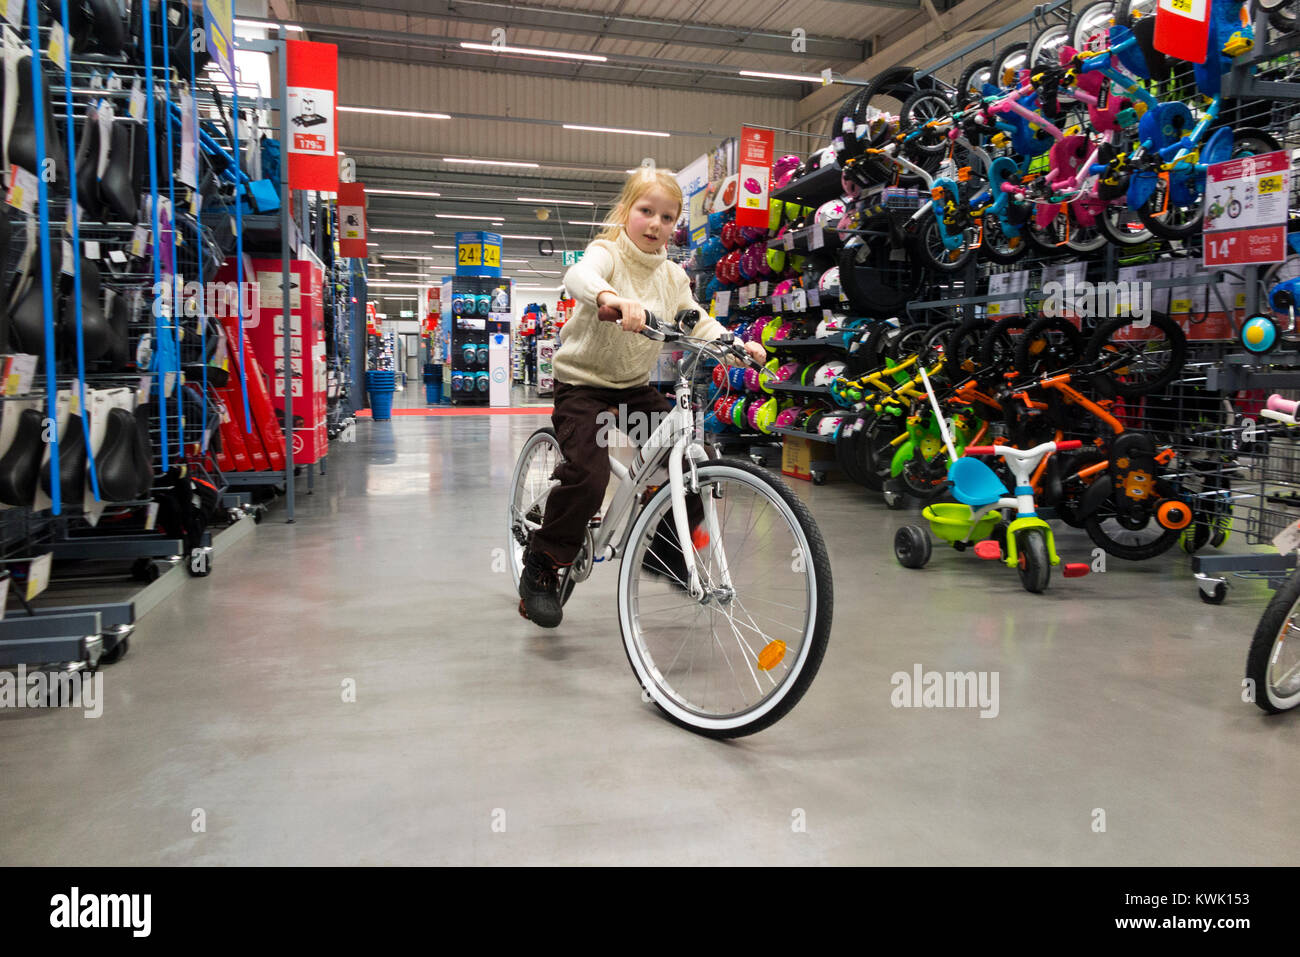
(796, 434)
(802, 389)
(830, 342)
(819, 186)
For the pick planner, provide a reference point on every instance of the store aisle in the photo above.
(476, 738)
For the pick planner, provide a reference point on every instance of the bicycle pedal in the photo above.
(1075, 569)
(988, 550)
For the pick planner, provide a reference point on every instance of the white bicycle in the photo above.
(732, 649)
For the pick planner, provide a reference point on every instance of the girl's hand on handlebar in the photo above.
(631, 313)
(756, 352)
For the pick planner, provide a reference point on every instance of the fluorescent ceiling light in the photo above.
(542, 272)
(400, 192)
(554, 202)
(479, 162)
(408, 275)
(489, 48)
(782, 76)
(405, 232)
(506, 236)
(437, 247)
(404, 256)
(378, 111)
(389, 282)
(587, 222)
(613, 129)
(268, 25)
(490, 219)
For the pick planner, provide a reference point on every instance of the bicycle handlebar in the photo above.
(1024, 454)
(726, 344)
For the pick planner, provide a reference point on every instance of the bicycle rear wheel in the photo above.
(1139, 359)
(739, 659)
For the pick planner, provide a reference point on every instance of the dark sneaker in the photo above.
(665, 559)
(539, 590)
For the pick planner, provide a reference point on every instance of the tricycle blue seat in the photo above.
(974, 483)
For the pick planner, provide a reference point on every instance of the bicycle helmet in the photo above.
(775, 263)
(731, 235)
(830, 213)
(828, 286)
(829, 424)
(752, 234)
(786, 418)
(827, 371)
(783, 170)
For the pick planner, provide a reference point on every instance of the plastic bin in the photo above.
(381, 385)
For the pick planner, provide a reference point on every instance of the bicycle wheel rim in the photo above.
(1046, 51)
(701, 664)
(529, 489)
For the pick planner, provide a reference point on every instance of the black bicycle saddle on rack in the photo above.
(96, 336)
(117, 187)
(22, 135)
(72, 462)
(119, 320)
(118, 466)
(20, 466)
(97, 27)
(27, 317)
(87, 167)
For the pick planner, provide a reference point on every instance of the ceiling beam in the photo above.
(643, 29)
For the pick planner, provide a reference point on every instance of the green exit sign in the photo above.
(407, 314)
(571, 259)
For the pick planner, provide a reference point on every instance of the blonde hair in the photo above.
(637, 185)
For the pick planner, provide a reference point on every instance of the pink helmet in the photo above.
(783, 170)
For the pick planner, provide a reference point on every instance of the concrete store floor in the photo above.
(1119, 691)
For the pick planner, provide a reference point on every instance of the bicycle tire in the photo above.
(1004, 61)
(545, 435)
(1087, 22)
(965, 342)
(816, 632)
(1034, 566)
(920, 108)
(1121, 235)
(928, 241)
(1043, 51)
(998, 346)
(1029, 361)
(1273, 626)
(1133, 552)
(992, 239)
(967, 91)
(1103, 338)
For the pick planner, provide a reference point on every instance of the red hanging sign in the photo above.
(311, 134)
(352, 220)
(1183, 29)
(755, 176)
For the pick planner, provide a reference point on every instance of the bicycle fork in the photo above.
(687, 449)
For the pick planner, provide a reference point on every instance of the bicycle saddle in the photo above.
(27, 317)
(21, 464)
(123, 465)
(22, 135)
(118, 353)
(87, 167)
(117, 185)
(96, 334)
(97, 27)
(72, 462)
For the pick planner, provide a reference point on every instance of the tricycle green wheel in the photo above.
(1034, 565)
(912, 546)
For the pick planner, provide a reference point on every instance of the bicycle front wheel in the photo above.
(1274, 660)
(738, 659)
(529, 489)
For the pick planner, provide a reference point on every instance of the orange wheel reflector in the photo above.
(700, 538)
(771, 655)
(1174, 515)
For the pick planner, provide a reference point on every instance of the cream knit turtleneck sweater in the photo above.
(601, 354)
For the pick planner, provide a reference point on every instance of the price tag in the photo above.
(138, 239)
(788, 241)
(722, 302)
(74, 403)
(117, 256)
(38, 575)
(13, 11)
(66, 268)
(1288, 540)
(818, 238)
(135, 108)
(57, 50)
(23, 189)
(92, 249)
(749, 292)
(800, 300)
(151, 517)
(813, 298)
(762, 289)
(827, 315)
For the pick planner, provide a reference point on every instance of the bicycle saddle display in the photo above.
(72, 462)
(122, 465)
(97, 27)
(118, 187)
(27, 317)
(87, 167)
(20, 466)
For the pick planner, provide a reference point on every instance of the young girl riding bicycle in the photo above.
(603, 367)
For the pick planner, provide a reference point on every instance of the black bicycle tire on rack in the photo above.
(937, 144)
(965, 92)
(936, 343)
(1132, 553)
(846, 111)
(1118, 236)
(999, 337)
(897, 82)
(876, 346)
(1177, 339)
(964, 343)
(1073, 336)
(993, 227)
(1276, 616)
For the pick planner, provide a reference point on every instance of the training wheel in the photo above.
(912, 546)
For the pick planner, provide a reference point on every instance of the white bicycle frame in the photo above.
(676, 441)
